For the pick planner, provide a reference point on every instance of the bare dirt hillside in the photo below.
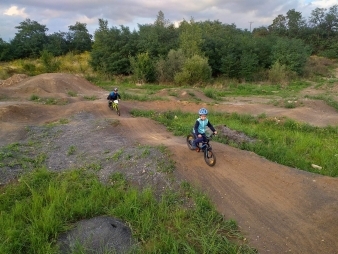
(279, 209)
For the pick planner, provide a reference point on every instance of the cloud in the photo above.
(58, 15)
(324, 3)
(15, 11)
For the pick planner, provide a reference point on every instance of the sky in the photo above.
(58, 15)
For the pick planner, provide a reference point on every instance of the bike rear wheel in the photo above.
(209, 157)
(190, 139)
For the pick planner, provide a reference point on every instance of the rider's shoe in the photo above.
(198, 149)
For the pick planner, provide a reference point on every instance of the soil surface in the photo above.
(278, 209)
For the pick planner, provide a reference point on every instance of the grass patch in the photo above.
(143, 97)
(72, 93)
(71, 150)
(327, 98)
(256, 89)
(48, 101)
(43, 204)
(20, 156)
(117, 155)
(59, 122)
(281, 140)
(90, 98)
(209, 92)
(34, 97)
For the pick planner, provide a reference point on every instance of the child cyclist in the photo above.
(199, 129)
(114, 95)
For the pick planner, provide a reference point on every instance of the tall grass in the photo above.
(70, 63)
(245, 89)
(42, 205)
(281, 140)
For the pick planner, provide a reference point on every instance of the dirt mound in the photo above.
(16, 78)
(50, 85)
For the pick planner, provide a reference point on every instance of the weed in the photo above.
(34, 97)
(145, 153)
(173, 93)
(96, 166)
(71, 150)
(211, 93)
(90, 98)
(289, 104)
(117, 155)
(72, 93)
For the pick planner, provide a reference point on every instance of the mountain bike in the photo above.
(205, 147)
(114, 105)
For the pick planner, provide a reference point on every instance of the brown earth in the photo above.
(278, 209)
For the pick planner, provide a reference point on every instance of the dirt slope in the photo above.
(279, 209)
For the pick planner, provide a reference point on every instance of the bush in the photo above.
(292, 53)
(49, 63)
(317, 66)
(331, 52)
(142, 68)
(167, 69)
(278, 74)
(195, 70)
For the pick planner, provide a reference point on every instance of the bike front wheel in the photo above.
(190, 139)
(209, 157)
(118, 110)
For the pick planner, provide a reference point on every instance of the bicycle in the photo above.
(114, 105)
(209, 156)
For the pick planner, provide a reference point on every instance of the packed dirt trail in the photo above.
(278, 209)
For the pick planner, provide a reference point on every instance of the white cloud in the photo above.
(58, 15)
(324, 3)
(15, 11)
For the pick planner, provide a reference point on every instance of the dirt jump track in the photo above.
(278, 209)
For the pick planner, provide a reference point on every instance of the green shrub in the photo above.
(49, 63)
(292, 53)
(331, 52)
(278, 74)
(166, 69)
(142, 68)
(29, 68)
(195, 70)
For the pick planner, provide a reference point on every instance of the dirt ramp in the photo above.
(51, 85)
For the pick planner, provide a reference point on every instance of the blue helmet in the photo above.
(203, 111)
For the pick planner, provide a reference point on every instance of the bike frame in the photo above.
(114, 105)
(205, 146)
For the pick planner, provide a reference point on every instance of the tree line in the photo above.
(191, 53)
(31, 39)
